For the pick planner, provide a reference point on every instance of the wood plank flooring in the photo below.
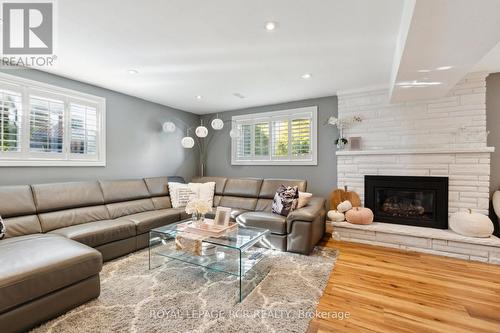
(388, 290)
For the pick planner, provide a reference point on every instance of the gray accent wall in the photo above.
(493, 125)
(136, 146)
(321, 178)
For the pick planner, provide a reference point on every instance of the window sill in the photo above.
(276, 163)
(50, 163)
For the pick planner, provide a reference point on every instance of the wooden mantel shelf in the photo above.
(411, 151)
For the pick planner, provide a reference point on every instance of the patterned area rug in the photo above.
(179, 297)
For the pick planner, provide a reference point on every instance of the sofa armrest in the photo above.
(309, 212)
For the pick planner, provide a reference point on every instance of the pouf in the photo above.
(335, 216)
(359, 215)
(471, 224)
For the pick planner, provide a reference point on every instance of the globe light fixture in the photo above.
(187, 142)
(168, 127)
(217, 124)
(234, 133)
(201, 131)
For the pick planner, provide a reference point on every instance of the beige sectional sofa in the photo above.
(57, 235)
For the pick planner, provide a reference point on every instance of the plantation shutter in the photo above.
(301, 138)
(261, 140)
(10, 121)
(83, 135)
(244, 141)
(46, 125)
(280, 139)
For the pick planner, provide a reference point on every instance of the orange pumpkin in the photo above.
(359, 215)
(340, 195)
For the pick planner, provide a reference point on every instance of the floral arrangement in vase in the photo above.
(342, 124)
(198, 208)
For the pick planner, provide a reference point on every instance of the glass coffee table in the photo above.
(235, 253)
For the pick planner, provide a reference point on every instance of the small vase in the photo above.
(198, 218)
(341, 141)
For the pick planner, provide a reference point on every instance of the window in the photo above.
(287, 137)
(43, 125)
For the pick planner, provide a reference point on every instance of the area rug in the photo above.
(179, 297)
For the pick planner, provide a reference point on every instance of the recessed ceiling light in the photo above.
(444, 68)
(199, 97)
(415, 83)
(133, 71)
(306, 76)
(270, 26)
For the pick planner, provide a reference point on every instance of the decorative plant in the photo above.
(198, 206)
(342, 124)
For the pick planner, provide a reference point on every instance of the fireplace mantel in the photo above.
(410, 151)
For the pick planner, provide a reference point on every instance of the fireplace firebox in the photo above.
(408, 200)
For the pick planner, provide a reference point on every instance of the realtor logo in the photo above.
(27, 28)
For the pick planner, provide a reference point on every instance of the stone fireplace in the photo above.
(408, 200)
(423, 142)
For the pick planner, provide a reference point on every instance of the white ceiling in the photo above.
(218, 48)
(185, 48)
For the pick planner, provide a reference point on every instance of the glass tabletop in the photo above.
(237, 238)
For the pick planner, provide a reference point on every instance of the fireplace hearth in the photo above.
(408, 200)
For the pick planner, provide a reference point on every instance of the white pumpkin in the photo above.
(471, 224)
(344, 206)
(335, 216)
(496, 203)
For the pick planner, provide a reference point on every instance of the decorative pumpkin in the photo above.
(496, 203)
(471, 224)
(340, 195)
(359, 215)
(353, 197)
(336, 198)
(335, 216)
(344, 206)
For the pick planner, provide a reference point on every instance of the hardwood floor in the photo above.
(386, 290)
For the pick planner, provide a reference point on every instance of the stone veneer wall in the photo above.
(442, 137)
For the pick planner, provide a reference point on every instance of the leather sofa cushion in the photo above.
(21, 225)
(242, 187)
(50, 197)
(161, 202)
(234, 213)
(157, 186)
(269, 186)
(182, 213)
(65, 218)
(35, 265)
(274, 222)
(220, 183)
(264, 205)
(146, 221)
(120, 209)
(237, 212)
(100, 232)
(16, 201)
(238, 202)
(123, 190)
(217, 199)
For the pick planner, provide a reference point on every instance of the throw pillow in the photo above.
(2, 229)
(204, 191)
(304, 198)
(180, 194)
(285, 200)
